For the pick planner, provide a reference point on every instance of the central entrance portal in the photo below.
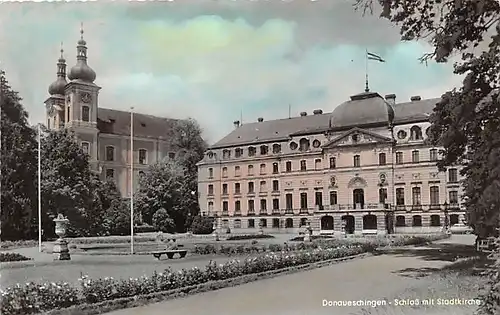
(358, 196)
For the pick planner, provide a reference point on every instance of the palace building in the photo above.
(364, 168)
(104, 133)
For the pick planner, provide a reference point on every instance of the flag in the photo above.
(374, 57)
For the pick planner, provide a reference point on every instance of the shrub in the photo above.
(491, 296)
(117, 219)
(248, 237)
(6, 257)
(18, 244)
(36, 298)
(202, 225)
(162, 221)
(144, 229)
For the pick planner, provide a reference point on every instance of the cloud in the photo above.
(215, 61)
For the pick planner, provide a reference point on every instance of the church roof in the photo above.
(117, 122)
(282, 129)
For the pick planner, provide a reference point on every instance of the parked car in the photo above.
(460, 228)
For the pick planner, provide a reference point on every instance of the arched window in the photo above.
(400, 221)
(276, 148)
(416, 133)
(435, 220)
(304, 144)
(224, 171)
(85, 113)
(250, 169)
(417, 221)
(382, 159)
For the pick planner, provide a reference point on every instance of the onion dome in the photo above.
(58, 86)
(82, 71)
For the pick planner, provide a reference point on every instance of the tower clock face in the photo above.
(86, 97)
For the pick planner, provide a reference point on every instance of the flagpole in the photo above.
(39, 190)
(367, 89)
(132, 180)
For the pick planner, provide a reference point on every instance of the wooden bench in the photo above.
(170, 253)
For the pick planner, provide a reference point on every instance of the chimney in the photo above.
(303, 114)
(236, 123)
(415, 98)
(318, 112)
(391, 99)
(260, 119)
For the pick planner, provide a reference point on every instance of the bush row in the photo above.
(18, 244)
(6, 257)
(248, 237)
(35, 298)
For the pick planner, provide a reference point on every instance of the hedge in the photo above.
(7, 257)
(248, 237)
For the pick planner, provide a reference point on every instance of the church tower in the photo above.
(81, 99)
(55, 106)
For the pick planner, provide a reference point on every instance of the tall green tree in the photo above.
(466, 122)
(18, 167)
(66, 181)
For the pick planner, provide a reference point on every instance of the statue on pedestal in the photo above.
(216, 232)
(261, 231)
(308, 232)
(61, 250)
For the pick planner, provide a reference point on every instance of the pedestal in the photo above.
(216, 235)
(61, 251)
(261, 231)
(307, 237)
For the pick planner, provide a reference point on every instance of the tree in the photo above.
(117, 218)
(105, 195)
(66, 182)
(162, 221)
(18, 167)
(466, 121)
(202, 225)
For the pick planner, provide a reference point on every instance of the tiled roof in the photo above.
(282, 129)
(111, 121)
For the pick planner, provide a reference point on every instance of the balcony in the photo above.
(262, 212)
(288, 211)
(250, 213)
(225, 213)
(276, 212)
(303, 211)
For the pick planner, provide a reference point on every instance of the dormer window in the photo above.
(276, 148)
(226, 154)
(252, 151)
(304, 144)
(415, 133)
(264, 149)
(238, 152)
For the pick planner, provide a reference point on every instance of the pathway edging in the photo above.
(141, 300)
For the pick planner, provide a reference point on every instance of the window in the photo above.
(142, 156)
(435, 220)
(226, 154)
(289, 201)
(382, 159)
(400, 221)
(238, 152)
(333, 162)
(252, 151)
(225, 206)
(357, 161)
(453, 196)
(237, 188)
(304, 144)
(415, 157)
(263, 185)
(400, 196)
(86, 147)
(237, 171)
(333, 198)
(382, 195)
(434, 194)
(110, 153)
(417, 221)
(263, 223)
(303, 165)
(317, 164)
(452, 175)
(210, 206)
(251, 188)
(415, 133)
(210, 189)
(224, 189)
(275, 168)
(251, 223)
(399, 157)
(264, 149)
(171, 155)
(141, 174)
(250, 169)
(433, 154)
(303, 200)
(224, 172)
(110, 173)
(416, 196)
(251, 205)
(288, 166)
(237, 224)
(276, 204)
(85, 113)
(318, 198)
(263, 204)
(276, 148)
(276, 185)
(276, 223)
(237, 206)
(210, 173)
(262, 169)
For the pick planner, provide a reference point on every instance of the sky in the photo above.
(215, 61)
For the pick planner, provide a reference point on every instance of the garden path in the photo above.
(372, 278)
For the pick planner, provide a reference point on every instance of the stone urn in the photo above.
(308, 233)
(61, 251)
(261, 230)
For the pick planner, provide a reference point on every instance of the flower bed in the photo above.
(248, 237)
(6, 257)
